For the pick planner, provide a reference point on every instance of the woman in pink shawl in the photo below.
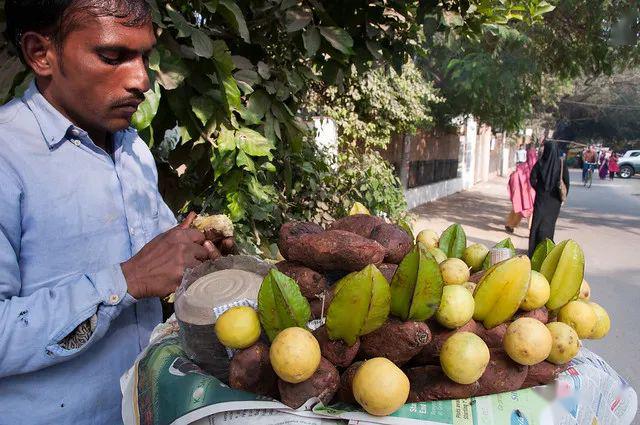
(520, 191)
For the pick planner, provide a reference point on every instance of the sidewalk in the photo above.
(481, 211)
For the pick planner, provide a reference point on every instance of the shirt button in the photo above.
(114, 299)
(132, 231)
(76, 142)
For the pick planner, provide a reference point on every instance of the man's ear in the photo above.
(39, 53)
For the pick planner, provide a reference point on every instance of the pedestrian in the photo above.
(613, 165)
(87, 244)
(603, 169)
(521, 193)
(546, 177)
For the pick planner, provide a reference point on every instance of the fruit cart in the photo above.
(362, 323)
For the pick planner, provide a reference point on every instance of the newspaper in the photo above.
(165, 387)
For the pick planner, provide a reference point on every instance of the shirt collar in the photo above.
(55, 127)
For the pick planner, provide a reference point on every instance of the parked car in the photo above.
(629, 163)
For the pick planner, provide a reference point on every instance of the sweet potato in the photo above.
(292, 230)
(431, 352)
(334, 250)
(492, 337)
(542, 373)
(337, 352)
(360, 224)
(345, 391)
(322, 384)
(311, 283)
(502, 374)
(317, 304)
(388, 270)
(396, 241)
(541, 314)
(429, 383)
(396, 340)
(250, 370)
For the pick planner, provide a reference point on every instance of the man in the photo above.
(588, 160)
(86, 242)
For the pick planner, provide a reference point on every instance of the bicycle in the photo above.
(589, 177)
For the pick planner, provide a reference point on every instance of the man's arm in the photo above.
(31, 327)
(34, 328)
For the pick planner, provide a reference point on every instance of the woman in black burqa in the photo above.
(545, 179)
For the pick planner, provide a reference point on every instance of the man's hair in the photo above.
(57, 18)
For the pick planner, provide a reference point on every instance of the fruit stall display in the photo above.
(363, 313)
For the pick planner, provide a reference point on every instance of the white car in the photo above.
(629, 163)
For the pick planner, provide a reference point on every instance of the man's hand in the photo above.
(156, 271)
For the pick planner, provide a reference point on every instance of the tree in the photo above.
(229, 76)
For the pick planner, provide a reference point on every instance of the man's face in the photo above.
(102, 73)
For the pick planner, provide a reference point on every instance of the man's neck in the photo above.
(99, 137)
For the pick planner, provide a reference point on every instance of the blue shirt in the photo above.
(69, 215)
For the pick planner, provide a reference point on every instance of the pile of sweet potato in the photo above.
(315, 258)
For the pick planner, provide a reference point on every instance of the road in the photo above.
(604, 220)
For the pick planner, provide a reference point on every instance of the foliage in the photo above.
(510, 74)
(376, 105)
(229, 77)
(604, 109)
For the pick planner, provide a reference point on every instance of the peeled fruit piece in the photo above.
(464, 357)
(538, 293)
(453, 241)
(358, 208)
(238, 327)
(564, 270)
(505, 243)
(474, 256)
(456, 307)
(360, 305)
(501, 290)
(566, 343)
(220, 223)
(540, 253)
(437, 254)
(380, 387)
(527, 341)
(294, 355)
(603, 323)
(581, 316)
(428, 237)
(281, 304)
(585, 291)
(416, 287)
(454, 271)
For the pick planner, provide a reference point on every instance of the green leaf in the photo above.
(170, 69)
(375, 49)
(267, 166)
(257, 190)
(147, 109)
(259, 103)
(452, 19)
(311, 41)
(222, 55)
(226, 140)
(203, 108)
(253, 143)
(248, 76)
(244, 161)
(297, 18)
(264, 70)
(202, 44)
(184, 28)
(236, 203)
(233, 15)
(542, 8)
(338, 38)
(241, 62)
